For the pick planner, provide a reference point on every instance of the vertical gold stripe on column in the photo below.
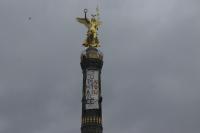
(93, 119)
(90, 119)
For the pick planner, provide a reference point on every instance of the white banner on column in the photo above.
(92, 89)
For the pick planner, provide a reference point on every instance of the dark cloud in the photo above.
(150, 76)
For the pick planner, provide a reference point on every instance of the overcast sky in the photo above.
(150, 77)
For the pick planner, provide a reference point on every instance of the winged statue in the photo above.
(92, 25)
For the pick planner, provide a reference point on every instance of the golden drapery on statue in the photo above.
(92, 25)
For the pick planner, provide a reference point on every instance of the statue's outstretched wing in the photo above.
(83, 21)
(99, 22)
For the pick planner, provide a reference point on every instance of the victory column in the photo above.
(91, 64)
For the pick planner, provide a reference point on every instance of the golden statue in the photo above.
(92, 24)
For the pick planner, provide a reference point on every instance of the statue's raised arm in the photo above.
(85, 20)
